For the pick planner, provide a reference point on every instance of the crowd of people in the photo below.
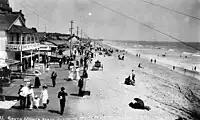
(77, 71)
(28, 99)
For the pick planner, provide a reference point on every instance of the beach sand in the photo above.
(160, 88)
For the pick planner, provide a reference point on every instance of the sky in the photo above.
(103, 23)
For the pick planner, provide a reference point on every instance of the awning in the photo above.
(8, 62)
(11, 62)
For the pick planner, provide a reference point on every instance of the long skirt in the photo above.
(71, 75)
(37, 82)
(29, 102)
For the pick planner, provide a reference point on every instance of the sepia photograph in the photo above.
(99, 59)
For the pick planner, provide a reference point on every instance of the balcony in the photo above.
(22, 47)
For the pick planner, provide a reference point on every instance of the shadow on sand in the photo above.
(83, 94)
(8, 98)
(75, 94)
(139, 106)
(16, 107)
(54, 111)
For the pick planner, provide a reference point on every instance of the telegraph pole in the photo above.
(81, 34)
(71, 31)
(77, 31)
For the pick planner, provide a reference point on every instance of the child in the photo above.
(36, 101)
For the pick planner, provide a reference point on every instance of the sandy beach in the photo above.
(161, 88)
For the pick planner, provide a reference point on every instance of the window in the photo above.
(28, 40)
(23, 40)
(18, 39)
(32, 39)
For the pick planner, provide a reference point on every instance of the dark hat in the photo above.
(62, 88)
(45, 86)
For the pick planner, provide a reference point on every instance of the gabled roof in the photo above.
(21, 29)
(6, 20)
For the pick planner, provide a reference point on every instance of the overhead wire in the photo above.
(169, 9)
(35, 13)
(38, 15)
(126, 16)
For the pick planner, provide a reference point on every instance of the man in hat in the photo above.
(53, 77)
(20, 96)
(23, 93)
(61, 96)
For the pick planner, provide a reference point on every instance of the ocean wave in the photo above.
(171, 50)
(196, 54)
(187, 53)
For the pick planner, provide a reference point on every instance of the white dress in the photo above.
(77, 74)
(71, 73)
(31, 92)
(44, 96)
(36, 102)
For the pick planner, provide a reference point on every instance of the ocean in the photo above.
(167, 54)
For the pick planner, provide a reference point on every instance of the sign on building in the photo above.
(23, 47)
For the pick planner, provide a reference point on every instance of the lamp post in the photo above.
(71, 36)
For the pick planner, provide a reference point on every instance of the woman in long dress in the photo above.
(77, 73)
(71, 74)
(44, 96)
(37, 82)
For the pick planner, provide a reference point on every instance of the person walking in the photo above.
(30, 97)
(64, 59)
(20, 96)
(23, 93)
(132, 77)
(37, 82)
(80, 85)
(62, 96)
(77, 73)
(53, 77)
(81, 61)
(44, 96)
(60, 63)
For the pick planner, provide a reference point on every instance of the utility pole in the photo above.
(81, 34)
(77, 31)
(71, 30)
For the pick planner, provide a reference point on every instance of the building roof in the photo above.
(6, 20)
(21, 29)
(4, 2)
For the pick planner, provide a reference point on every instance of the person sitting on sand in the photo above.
(131, 79)
(139, 65)
(155, 61)
(123, 57)
(119, 57)
(195, 68)
(173, 68)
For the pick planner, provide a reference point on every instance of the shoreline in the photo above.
(160, 61)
